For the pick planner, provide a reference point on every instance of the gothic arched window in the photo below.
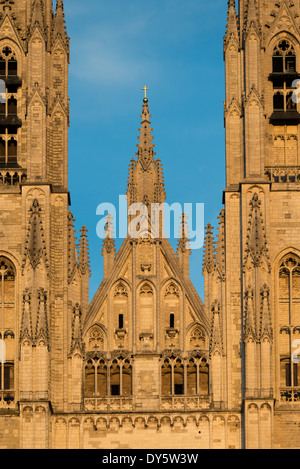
(89, 382)
(289, 326)
(284, 57)
(278, 101)
(172, 376)
(103, 378)
(95, 377)
(197, 376)
(8, 63)
(185, 377)
(283, 70)
(7, 334)
(8, 105)
(121, 377)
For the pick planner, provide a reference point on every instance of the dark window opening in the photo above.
(172, 321)
(277, 64)
(12, 151)
(2, 68)
(178, 379)
(115, 390)
(2, 151)
(12, 107)
(2, 109)
(278, 102)
(12, 68)
(121, 321)
(8, 378)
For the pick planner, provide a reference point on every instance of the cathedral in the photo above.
(147, 363)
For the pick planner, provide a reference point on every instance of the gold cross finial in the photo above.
(145, 89)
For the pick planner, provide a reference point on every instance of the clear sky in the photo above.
(174, 47)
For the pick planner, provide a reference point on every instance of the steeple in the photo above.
(145, 182)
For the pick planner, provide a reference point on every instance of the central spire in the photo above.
(145, 147)
(145, 182)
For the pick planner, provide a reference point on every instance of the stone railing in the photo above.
(108, 404)
(7, 400)
(290, 394)
(12, 177)
(283, 174)
(177, 403)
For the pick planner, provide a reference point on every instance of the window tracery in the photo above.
(9, 121)
(7, 327)
(189, 376)
(289, 327)
(108, 377)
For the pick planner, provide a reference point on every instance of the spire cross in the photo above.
(145, 89)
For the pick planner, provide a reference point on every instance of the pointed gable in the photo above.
(256, 244)
(35, 246)
(283, 22)
(146, 302)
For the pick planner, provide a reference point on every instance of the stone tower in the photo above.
(44, 284)
(254, 272)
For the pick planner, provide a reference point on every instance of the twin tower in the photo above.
(147, 364)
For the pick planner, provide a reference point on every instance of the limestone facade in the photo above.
(147, 364)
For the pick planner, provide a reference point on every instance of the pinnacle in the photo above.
(183, 243)
(209, 250)
(232, 19)
(59, 20)
(108, 243)
(251, 13)
(84, 263)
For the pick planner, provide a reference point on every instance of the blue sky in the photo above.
(176, 49)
